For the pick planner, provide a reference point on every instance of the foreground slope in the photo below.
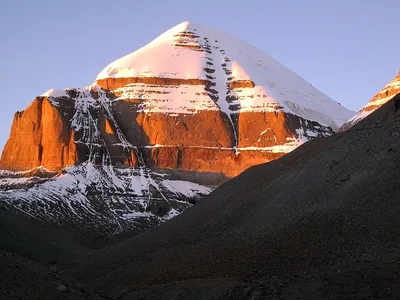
(32, 258)
(158, 129)
(321, 222)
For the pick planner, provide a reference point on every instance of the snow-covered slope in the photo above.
(99, 200)
(221, 58)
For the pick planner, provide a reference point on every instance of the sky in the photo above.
(348, 49)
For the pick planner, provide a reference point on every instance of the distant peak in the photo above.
(181, 27)
(186, 25)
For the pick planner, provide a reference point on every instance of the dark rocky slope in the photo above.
(33, 258)
(321, 222)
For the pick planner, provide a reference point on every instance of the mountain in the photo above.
(383, 96)
(319, 223)
(158, 129)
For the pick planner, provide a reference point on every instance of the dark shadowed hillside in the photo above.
(33, 257)
(321, 222)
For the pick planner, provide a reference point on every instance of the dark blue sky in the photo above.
(349, 49)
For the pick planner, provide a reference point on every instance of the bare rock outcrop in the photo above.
(39, 137)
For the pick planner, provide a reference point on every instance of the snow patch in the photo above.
(55, 93)
(123, 194)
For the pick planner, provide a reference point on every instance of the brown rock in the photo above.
(39, 137)
(132, 161)
(203, 129)
(62, 288)
(120, 134)
(241, 84)
(266, 129)
(115, 83)
(108, 127)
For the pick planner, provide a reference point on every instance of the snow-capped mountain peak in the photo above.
(191, 51)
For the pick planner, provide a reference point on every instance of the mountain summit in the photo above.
(240, 77)
(158, 128)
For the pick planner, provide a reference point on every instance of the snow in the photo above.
(136, 214)
(276, 85)
(55, 93)
(18, 173)
(159, 58)
(186, 188)
(359, 116)
(124, 191)
(169, 99)
(10, 182)
(290, 145)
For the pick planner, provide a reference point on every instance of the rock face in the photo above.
(39, 136)
(191, 109)
(382, 97)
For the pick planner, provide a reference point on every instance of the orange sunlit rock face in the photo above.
(120, 133)
(39, 137)
(108, 127)
(224, 161)
(203, 129)
(115, 83)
